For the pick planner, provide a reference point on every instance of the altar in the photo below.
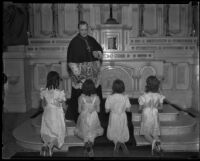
(133, 49)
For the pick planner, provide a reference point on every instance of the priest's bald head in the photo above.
(83, 28)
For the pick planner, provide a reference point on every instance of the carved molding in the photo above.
(150, 19)
(108, 34)
(110, 73)
(67, 20)
(163, 40)
(174, 19)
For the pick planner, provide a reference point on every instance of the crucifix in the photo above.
(79, 12)
(111, 20)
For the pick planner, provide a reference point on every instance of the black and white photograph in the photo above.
(110, 80)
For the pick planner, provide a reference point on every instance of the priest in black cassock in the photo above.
(84, 60)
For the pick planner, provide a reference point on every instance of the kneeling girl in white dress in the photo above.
(53, 120)
(149, 103)
(117, 104)
(88, 125)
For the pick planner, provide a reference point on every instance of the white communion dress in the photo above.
(117, 126)
(88, 125)
(53, 119)
(150, 119)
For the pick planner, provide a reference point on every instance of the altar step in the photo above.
(174, 143)
(168, 113)
(179, 131)
(183, 125)
(28, 136)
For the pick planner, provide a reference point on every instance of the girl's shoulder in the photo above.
(43, 90)
(96, 97)
(59, 90)
(125, 96)
(116, 96)
(110, 96)
(145, 95)
(82, 97)
(154, 95)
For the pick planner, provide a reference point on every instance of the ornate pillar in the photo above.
(31, 21)
(174, 65)
(134, 84)
(141, 20)
(166, 19)
(55, 20)
(195, 82)
(193, 27)
(191, 69)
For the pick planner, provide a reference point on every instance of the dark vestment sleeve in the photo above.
(97, 46)
(77, 50)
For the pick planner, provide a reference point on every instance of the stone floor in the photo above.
(102, 149)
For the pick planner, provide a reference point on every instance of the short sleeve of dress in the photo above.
(107, 104)
(127, 103)
(141, 100)
(161, 98)
(97, 101)
(42, 93)
(62, 95)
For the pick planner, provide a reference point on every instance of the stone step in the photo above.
(26, 136)
(184, 124)
(168, 113)
(186, 142)
(70, 126)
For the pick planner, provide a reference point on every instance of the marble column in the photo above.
(174, 65)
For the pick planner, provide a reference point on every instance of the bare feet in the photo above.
(124, 149)
(88, 149)
(116, 149)
(156, 148)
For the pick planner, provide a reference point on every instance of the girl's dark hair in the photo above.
(88, 87)
(53, 80)
(82, 23)
(152, 84)
(118, 86)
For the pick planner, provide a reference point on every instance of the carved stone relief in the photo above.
(67, 20)
(174, 19)
(109, 74)
(150, 19)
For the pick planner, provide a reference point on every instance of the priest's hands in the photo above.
(97, 54)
